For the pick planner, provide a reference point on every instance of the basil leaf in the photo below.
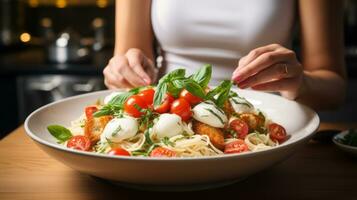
(61, 133)
(178, 73)
(120, 99)
(160, 93)
(106, 110)
(221, 93)
(203, 76)
(194, 88)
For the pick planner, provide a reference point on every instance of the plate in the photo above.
(173, 173)
(346, 148)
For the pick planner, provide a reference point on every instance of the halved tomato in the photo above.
(277, 132)
(90, 110)
(119, 152)
(237, 146)
(162, 152)
(240, 127)
(79, 142)
(166, 104)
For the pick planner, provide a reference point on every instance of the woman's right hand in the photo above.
(130, 70)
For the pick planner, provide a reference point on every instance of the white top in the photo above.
(194, 32)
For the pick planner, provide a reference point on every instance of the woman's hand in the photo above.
(270, 68)
(130, 70)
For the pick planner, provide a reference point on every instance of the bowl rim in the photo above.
(312, 125)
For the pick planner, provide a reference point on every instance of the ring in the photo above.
(285, 69)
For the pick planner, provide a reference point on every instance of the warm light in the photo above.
(102, 3)
(25, 37)
(33, 3)
(61, 3)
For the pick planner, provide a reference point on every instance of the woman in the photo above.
(257, 33)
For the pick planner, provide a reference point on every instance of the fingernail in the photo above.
(237, 78)
(147, 80)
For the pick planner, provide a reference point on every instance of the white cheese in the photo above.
(167, 125)
(208, 113)
(119, 129)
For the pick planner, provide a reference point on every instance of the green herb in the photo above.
(160, 93)
(194, 88)
(220, 94)
(242, 100)
(116, 131)
(203, 76)
(167, 141)
(215, 114)
(61, 133)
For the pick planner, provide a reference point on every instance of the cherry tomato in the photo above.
(182, 108)
(237, 146)
(277, 132)
(133, 106)
(254, 121)
(119, 152)
(79, 142)
(90, 110)
(240, 127)
(166, 104)
(147, 95)
(190, 97)
(162, 152)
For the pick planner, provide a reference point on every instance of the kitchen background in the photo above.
(51, 49)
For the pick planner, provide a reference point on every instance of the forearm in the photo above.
(133, 27)
(322, 89)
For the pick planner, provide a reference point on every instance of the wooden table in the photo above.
(318, 171)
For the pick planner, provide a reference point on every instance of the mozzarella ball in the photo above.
(208, 113)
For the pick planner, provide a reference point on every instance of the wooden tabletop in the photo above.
(317, 171)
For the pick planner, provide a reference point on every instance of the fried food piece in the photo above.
(254, 121)
(228, 109)
(215, 135)
(94, 127)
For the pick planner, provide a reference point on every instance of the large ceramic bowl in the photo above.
(174, 173)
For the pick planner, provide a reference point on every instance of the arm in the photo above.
(322, 53)
(319, 80)
(132, 63)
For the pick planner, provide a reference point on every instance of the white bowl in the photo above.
(175, 173)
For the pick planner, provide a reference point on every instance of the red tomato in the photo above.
(79, 142)
(162, 152)
(166, 104)
(134, 104)
(182, 108)
(240, 127)
(119, 152)
(277, 132)
(237, 146)
(147, 95)
(90, 110)
(190, 97)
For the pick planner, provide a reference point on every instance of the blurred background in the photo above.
(52, 49)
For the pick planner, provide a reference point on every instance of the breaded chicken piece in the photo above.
(228, 109)
(215, 135)
(94, 127)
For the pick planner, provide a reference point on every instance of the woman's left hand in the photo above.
(270, 68)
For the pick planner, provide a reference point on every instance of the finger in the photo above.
(275, 72)
(255, 53)
(114, 79)
(138, 63)
(128, 73)
(287, 84)
(263, 61)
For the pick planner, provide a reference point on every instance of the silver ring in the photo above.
(285, 69)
